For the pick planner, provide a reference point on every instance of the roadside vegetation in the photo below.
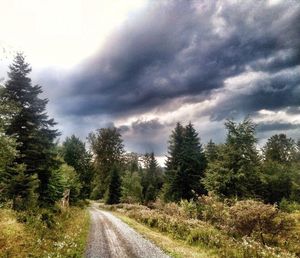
(32, 235)
(239, 229)
(232, 199)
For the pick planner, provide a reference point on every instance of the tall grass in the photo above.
(43, 234)
(232, 229)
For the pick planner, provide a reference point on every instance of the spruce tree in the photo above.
(31, 125)
(152, 176)
(236, 171)
(185, 165)
(173, 162)
(193, 164)
(114, 188)
(175, 148)
(211, 152)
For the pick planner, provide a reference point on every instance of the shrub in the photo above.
(213, 210)
(191, 209)
(289, 206)
(258, 220)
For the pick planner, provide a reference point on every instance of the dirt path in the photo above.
(111, 238)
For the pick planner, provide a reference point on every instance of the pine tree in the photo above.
(20, 187)
(114, 188)
(236, 171)
(151, 177)
(175, 148)
(31, 125)
(193, 164)
(211, 152)
(185, 165)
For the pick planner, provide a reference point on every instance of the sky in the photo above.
(144, 65)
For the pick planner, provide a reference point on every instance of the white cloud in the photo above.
(61, 33)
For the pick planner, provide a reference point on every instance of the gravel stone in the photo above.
(111, 238)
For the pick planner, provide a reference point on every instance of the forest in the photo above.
(233, 199)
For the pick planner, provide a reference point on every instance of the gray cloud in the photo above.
(277, 126)
(181, 52)
(187, 48)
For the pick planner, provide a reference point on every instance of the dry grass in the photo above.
(67, 238)
(183, 235)
(175, 248)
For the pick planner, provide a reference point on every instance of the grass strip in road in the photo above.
(173, 247)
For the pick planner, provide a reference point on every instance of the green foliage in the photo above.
(55, 187)
(71, 182)
(107, 147)
(235, 173)
(233, 234)
(277, 181)
(75, 154)
(20, 187)
(279, 148)
(43, 233)
(152, 179)
(211, 151)
(289, 206)
(30, 125)
(114, 188)
(185, 164)
(131, 188)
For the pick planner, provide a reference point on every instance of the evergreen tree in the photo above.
(31, 126)
(76, 155)
(20, 187)
(151, 176)
(114, 188)
(193, 164)
(236, 171)
(185, 165)
(175, 148)
(277, 181)
(211, 151)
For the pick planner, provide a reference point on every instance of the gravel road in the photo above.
(111, 238)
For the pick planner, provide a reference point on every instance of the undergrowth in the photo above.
(43, 233)
(232, 228)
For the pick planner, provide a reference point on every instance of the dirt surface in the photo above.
(111, 238)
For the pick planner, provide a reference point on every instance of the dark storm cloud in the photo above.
(146, 136)
(189, 48)
(273, 92)
(277, 126)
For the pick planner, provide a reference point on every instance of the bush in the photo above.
(261, 221)
(289, 206)
(213, 210)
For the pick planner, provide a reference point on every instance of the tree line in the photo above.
(35, 170)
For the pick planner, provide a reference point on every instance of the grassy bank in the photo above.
(174, 247)
(59, 234)
(220, 231)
